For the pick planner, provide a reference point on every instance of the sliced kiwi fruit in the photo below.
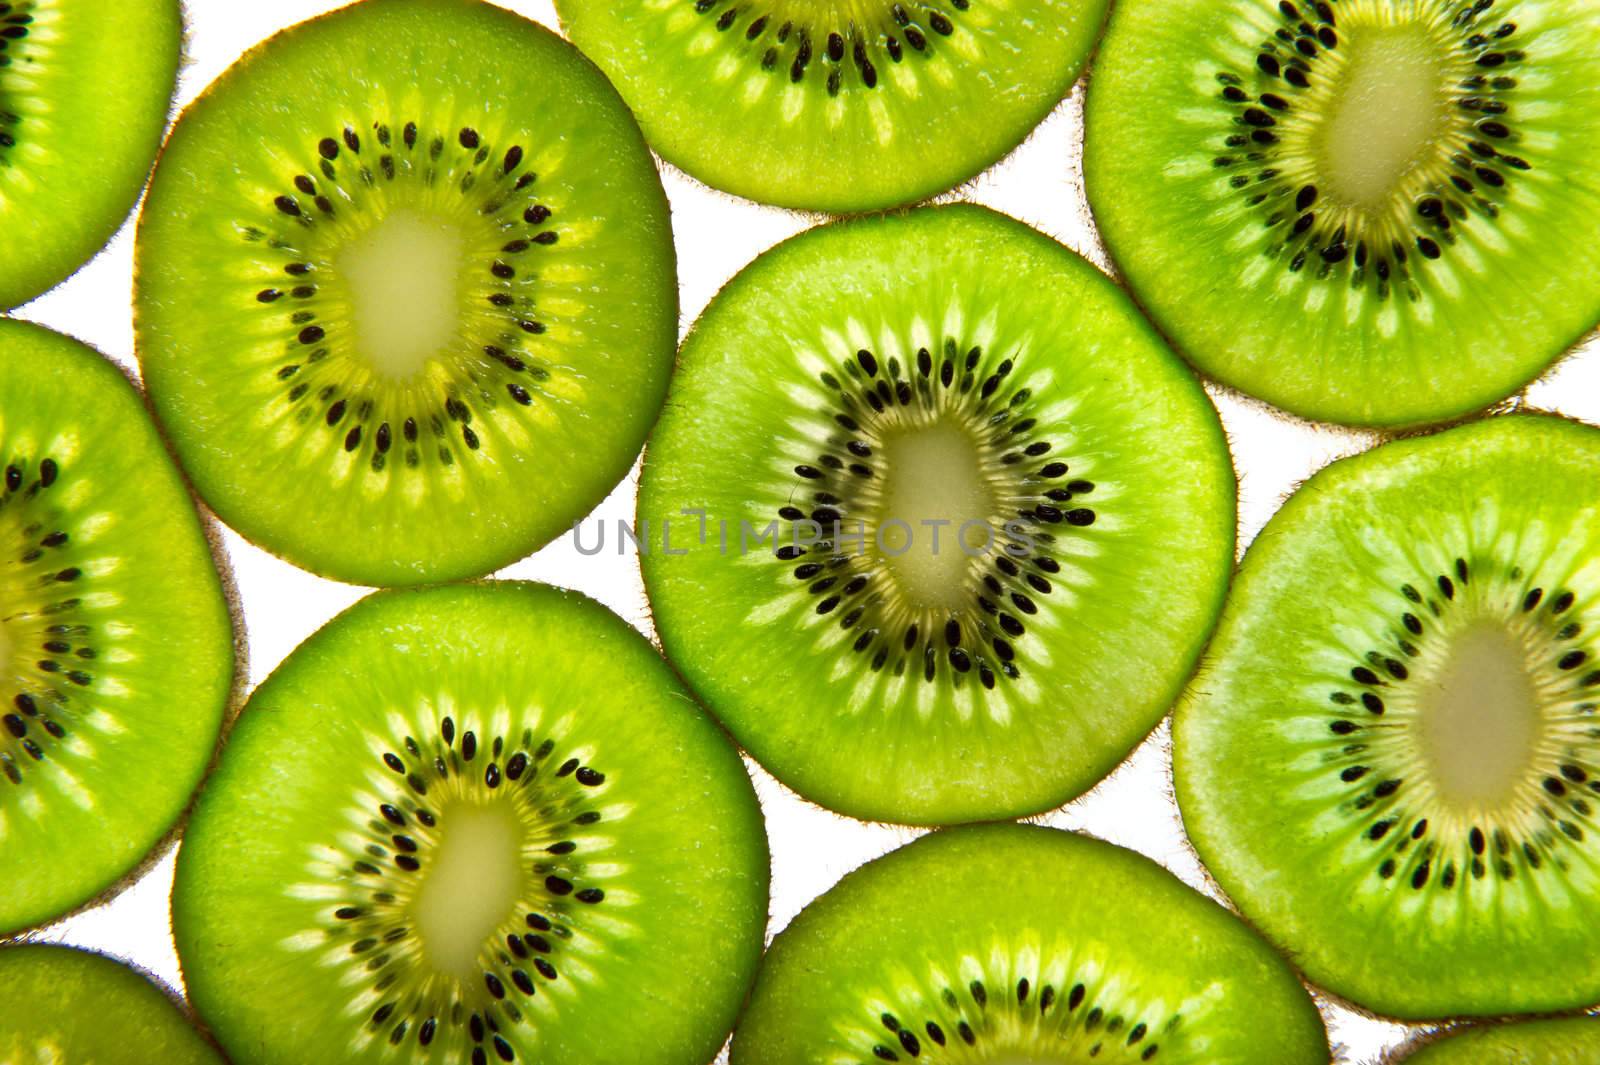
(66, 1005)
(85, 88)
(406, 291)
(116, 646)
(949, 366)
(1082, 952)
(1359, 211)
(1391, 760)
(1567, 1041)
(477, 825)
(844, 105)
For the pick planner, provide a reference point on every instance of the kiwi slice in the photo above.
(844, 105)
(1087, 952)
(406, 291)
(1568, 1041)
(1392, 763)
(116, 646)
(950, 366)
(67, 1005)
(85, 87)
(473, 824)
(1360, 211)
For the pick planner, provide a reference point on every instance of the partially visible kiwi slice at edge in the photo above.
(116, 644)
(85, 89)
(946, 365)
(1566, 1041)
(1391, 757)
(1023, 945)
(839, 105)
(67, 1005)
(473, 825)
(406, 291)
(1360, 211)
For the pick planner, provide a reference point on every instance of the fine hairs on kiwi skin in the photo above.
(406, 291)
(949, 364)
(85, 89)
(843, 106)
(68, 1005)
(1390, 758)
(472, 825)
(116, 643)
(1563, 1041)
(1019, 944)
(1359, 211)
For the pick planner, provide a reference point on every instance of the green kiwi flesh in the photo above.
(116, 646)
(1359, 211)
(1568, 1041)
(1022, 945)
(1390, 760)
(953, 365)
(406, 293)
(69, 1005)
(842, 105)
(85, 88)
(473, 825)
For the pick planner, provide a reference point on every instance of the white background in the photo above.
(717, 235)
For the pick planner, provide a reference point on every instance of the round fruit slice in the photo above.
(842, 105)
(1359, 211)
(406, 296)
(116, 646)
(473, 824)
(937, 525)
(72, 1006)
(1392, 765)
(1088, 952)
(85, 86)
(1574, 1041)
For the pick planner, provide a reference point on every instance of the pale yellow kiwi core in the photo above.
(471, 885)
(403, 278)
(1387, 110)
(933, 473)
(1479, 717)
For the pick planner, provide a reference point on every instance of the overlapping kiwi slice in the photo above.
(473, 825)
(85, 86)
(66, 1005)
(406, 291)
(838, 105)
(1569, 1041)
(116, 648)
(1392, 758)
(845, 395)
(1361, 211)
(1021, 945)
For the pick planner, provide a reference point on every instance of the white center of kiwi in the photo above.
(470, 886)
(932, 474)
(1387, 111)
(1479, 717)
(404, 279)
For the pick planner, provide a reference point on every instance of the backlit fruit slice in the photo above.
(406, 297)
(1021, 945)
(845, 395)
(1361, 211)
(1573, 1041)
(839, 105)
(116, 647)
(68, 1005)
(1391, 763)
(85, 87)
(473, 824)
